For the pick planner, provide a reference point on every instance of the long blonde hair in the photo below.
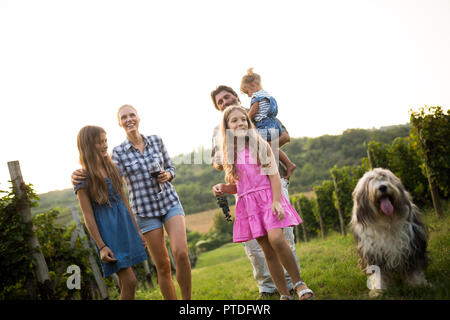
(92, 162)
(257, 144)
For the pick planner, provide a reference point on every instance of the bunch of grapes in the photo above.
(223, 204)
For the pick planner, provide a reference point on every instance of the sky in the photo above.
(331, 65)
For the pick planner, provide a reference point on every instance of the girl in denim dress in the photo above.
(106, 211)
(263, 112)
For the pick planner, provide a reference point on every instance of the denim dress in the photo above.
(118, 231)
(268, 124)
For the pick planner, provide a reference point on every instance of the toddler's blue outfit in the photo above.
(264, 119)
(118, 231)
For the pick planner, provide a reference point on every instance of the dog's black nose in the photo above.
(382, 188)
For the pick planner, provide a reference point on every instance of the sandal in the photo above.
(304, 291)
(286, 297)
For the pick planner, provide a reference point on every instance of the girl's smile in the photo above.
(102, 145)
(238, 123)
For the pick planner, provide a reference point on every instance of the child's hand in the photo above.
(106, 255)
(218, 190)
(277, 209)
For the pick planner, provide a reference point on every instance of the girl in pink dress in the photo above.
(261, 210)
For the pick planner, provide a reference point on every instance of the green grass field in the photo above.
(328, 266)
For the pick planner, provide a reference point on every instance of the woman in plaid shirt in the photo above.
(153, 201)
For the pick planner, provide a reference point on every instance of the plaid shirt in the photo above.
(145, 199)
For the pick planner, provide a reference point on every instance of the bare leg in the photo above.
(283, 139)
(158, 251)
(290, 166)
(281, 247)
(176, 229)
(285, 255)
(276, 144)
(274, 265)
(127, 283)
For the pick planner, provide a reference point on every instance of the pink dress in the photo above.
(254, 217)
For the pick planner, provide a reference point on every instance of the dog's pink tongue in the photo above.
(386, 206)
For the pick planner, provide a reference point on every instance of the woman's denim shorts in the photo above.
(147, 224)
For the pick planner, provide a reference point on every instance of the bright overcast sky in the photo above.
(331, 65)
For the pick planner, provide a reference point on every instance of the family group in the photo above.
(255, 173)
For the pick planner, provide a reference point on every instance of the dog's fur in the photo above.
(396, 241)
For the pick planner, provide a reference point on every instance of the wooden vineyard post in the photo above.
(322, 228)
(339, 209)
(43, 277)
(305, 234)
(370, 157)
(115, 278)
(151, 264)
(434, 192)
(172, 260)
(431, 125)
(433, 188)
(148, 274)
(93, 263)
(297, 233)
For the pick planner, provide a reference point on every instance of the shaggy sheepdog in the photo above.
(389, 235)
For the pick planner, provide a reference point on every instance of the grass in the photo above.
(438, 272)
(221, 274)
(328, 266)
